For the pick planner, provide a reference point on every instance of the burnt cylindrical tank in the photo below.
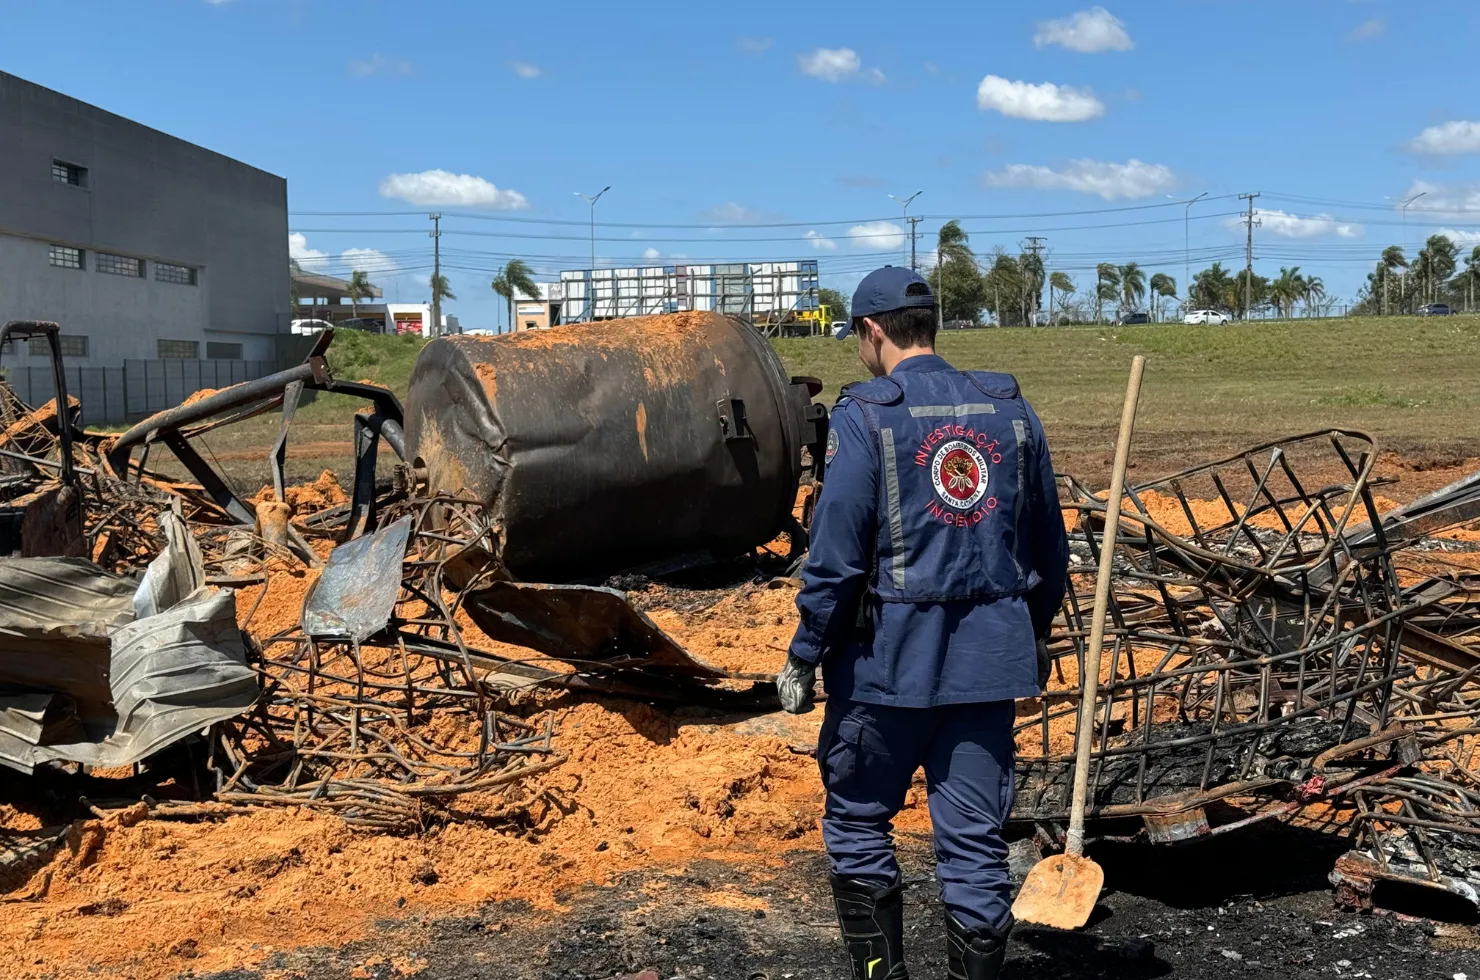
(604, 446)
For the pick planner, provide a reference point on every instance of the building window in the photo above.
(179, 348)
(219, 350)
(66, 257)
(68, 173)
(118, 265)
(182, 275)
(73, 345)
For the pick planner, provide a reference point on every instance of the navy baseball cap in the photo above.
(889, 288)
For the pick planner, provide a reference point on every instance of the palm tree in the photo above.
(953, 243)
(1286, 290)
(513, 278)
(359, 288)
(1392, 260)
(1132, 286)
(1212, 288)
(1163, 286)
(440, 289)
(1471, 277)
(1436, 263)
(1315, 291)
(1065, 286)
(1107, 286)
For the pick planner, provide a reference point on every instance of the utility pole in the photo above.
(1035, 246)
(904, 202)
(914, 266)
(591, 292)
(436, 234)
(1249, 255)
(940, 281)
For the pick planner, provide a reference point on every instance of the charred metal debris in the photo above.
(1279, 648)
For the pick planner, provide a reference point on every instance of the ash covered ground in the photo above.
(1252, 905)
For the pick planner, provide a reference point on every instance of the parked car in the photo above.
(1131, 318)
(1212, 317)
(1435, 309)
(303, 327)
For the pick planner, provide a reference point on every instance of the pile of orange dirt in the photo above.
(641, 788)
(1167, 511)
(308, 498)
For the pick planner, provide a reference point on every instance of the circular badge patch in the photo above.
(959, 474)
(832, 444)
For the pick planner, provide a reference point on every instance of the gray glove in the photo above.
(794, 684)
(1045, 665)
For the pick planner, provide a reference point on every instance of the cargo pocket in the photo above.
(837, 755)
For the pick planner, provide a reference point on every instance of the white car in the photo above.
(1212, 317)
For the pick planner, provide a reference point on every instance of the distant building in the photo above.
(541, 311)
(141, 245)
(325, 299)
(778, 297)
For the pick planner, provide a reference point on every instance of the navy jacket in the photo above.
(938, 550)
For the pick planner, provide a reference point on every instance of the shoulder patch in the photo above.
(994, 384)
(879, 391)
(832, 444)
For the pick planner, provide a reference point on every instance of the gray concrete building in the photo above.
(139, 244)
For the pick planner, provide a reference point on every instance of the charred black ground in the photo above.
(1256, 906)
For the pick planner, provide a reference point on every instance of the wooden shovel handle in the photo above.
(1089, 683)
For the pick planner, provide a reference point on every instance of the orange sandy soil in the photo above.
(641, 789)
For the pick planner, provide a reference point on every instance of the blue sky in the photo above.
(778, 130)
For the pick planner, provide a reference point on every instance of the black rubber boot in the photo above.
(975, 954)
(872, 917)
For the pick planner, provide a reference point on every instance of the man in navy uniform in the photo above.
(938, 561)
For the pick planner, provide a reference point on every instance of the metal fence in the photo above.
(114, 395)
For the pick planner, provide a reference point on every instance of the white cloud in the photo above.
(1088, 31)
(432, 188)
(1045, 102)
(732, 213)
(1459, 236)
(651, 253)
(525, 70)
(1133, 178)
(1457, 136)
(830, 64)
(875, 76)
(298, 249)
(1451, 202)
(820, 241)
(1368, 29)
(369, 260)
(1286, 225)
(377, 63)
(877, 235)
(753, 45)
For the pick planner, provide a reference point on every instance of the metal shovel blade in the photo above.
(1060, 891)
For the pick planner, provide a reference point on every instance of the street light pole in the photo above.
(591, 292)
(904, 203)
(1187, 239)
(1403, 291)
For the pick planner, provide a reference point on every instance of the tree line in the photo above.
(1400, 285)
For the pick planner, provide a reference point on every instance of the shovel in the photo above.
(1061, 891)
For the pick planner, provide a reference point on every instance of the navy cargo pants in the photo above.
(868, 754)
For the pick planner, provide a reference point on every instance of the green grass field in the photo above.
(1413, 383)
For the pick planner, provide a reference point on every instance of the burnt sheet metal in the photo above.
(175, 574)
(581, 624)
(82, 680)
(356, 594)
(604, 446)
(158, 680)
(68, 595)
